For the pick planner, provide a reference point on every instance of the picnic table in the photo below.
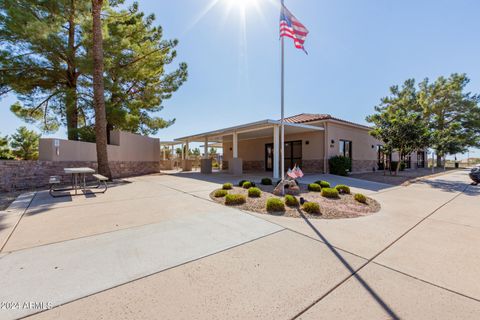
(78, 175)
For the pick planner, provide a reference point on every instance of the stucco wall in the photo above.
(124, 146)
(362, 141)
(254, 149)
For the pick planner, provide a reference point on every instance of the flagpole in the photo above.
(282, 102)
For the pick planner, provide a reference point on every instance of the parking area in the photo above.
(158, 246)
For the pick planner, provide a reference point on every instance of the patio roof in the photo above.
(248, 131)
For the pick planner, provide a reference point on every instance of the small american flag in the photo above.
(292, 28)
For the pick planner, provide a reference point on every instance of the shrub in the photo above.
(323, 183)
(254, 192)
(314, 187)
(343, 188)
(220, 193)
(275, 205)
(340, 165)
(311, 207)
(360, 198)
(267, 181)
(247, 185)
(241, 182)
(329, 193)
(233, 199)
(291, 201)
(227, 186)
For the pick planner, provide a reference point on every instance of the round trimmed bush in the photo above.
(234, 199)
(247, 185)
(254, 192)
(314, 187)
(275, 205)
(360, 198)
(241, 182)
(266, 181)
(227, 186)
(291, 201)
(329, 193)
(220, 193)
(343, 188)
(311, 207)
(323, 183)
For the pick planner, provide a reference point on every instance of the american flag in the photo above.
(292, 28)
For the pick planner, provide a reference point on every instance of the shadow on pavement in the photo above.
(365, 285)
(452, 186)
(43, 202)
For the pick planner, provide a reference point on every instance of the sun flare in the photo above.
(241, 4)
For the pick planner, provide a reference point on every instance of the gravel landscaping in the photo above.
(343, 207)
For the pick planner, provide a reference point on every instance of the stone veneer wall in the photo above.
(18, 175)
(363, 165)
(224, 165)
(312, 166)
(254, 165)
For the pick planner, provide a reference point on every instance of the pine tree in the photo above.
(40, 59)
(136, 82)
(25, 144)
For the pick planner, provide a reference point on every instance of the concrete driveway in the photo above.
(158, 248)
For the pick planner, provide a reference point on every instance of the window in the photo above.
(346, 148)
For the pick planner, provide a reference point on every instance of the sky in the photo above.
(356, 51)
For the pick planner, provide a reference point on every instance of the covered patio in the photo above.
(250, 131)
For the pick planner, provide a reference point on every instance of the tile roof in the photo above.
(309, 117)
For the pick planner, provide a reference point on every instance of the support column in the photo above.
(206, 162)
(235, 145)
(186, 162)
(164, 155)
(205, 148)
(235, 166)
(276, 152)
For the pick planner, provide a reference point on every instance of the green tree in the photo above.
(212, 152)
(46, 60)
(453, 114)
(137, 82)
(399, 122)
(194, 152)
(40, 59)
(25, 144)
(5, 152)
(178, 151)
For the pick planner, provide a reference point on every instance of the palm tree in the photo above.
(98, 91)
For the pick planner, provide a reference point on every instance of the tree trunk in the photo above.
(439, 160)
(71, 92)
(399, 162)
(98, 91)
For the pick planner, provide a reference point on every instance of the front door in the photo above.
(293, 155)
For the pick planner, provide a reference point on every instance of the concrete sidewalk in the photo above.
(159, 248)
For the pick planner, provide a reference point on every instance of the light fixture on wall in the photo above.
(230, 148)
(307, 142)
(373, 146)
(332, 141)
